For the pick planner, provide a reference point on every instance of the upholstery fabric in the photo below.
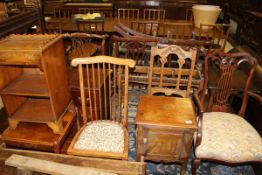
(106, 136)
(230, 138)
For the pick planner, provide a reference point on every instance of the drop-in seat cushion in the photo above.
(230, 138)
(106, 136)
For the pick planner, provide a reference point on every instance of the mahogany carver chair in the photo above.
(223, 133)
(104, 133)
(171, 70)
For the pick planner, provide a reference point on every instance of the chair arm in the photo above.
(197, 100)
(198, 138)
(256, 96)
(200, 107)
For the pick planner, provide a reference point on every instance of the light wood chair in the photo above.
(104, 113)
(171, 71)
(217, 33)
(178, 30)
(223, 134)
(127, 14)
(154, 14)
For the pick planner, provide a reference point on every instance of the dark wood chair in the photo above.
(104, 114)
(85, 45)
(223, 133)
(138, 49)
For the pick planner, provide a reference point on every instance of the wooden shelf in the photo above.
(35, 110)
(28, 85)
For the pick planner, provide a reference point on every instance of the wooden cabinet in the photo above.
(165, 133)
(33, 80)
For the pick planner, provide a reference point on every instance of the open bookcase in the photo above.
(34, 84)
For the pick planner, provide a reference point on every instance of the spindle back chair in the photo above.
(110, 105)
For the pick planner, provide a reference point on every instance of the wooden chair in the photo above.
(137, 49)
(53, 26)
(223, 136)
(127, 14)
(154, 14)
(146, 27)
(178, 30)
(189, 14)
(124, 30)
(90, 26)
(171, 71)
(104, 114)
(168, 113)
(85, 45)
(217, 33)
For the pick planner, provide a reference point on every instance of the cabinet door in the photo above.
(161, 144)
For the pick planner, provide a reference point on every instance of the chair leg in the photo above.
(196, 163)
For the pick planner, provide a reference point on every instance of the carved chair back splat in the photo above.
(171, 70)
(220, 73)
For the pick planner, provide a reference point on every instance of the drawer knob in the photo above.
(144, 140)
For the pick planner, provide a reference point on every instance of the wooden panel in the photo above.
(33, 164)
(38, 136)
(54, 65)
(160, 110)
(12, 73)
(35, 110)
(120, 167)
(28, 84)
(12, 103)
(19, 23)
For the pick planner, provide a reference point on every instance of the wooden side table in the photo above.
(165, 129)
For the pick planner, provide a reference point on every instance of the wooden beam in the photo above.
(29, 164)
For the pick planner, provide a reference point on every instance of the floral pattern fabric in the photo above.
(230, 138)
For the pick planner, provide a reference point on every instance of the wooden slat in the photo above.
(44, 166)
(116, 166)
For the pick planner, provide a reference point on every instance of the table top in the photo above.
(166, 111)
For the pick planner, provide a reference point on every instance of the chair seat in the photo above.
(223, 139)
(106, 136)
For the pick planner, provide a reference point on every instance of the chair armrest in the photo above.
(197, 100)
(256, 96)
(200, 107)
(198, 138)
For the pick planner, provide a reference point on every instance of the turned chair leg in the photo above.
(196, 163)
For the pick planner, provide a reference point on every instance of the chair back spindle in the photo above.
(111, 101)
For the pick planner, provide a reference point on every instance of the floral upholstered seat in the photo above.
(223, 139)
(106, 136)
